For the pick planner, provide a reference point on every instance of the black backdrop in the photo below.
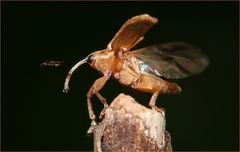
(36, 115)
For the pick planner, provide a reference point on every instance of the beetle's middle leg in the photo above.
(103, 100)
(95, 88)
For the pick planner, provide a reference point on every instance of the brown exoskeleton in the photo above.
(142, 69)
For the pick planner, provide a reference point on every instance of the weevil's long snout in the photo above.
(66, 84)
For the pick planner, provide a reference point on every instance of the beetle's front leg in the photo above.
(96, 87)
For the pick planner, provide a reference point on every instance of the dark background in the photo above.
(36, 115)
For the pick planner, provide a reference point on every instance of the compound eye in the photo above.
(90, 59)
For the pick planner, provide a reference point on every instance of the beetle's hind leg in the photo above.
(153, 100)
(167, 87)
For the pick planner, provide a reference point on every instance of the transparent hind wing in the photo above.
(171, 60)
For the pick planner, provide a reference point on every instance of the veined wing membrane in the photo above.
(171, 60)
(131, 32)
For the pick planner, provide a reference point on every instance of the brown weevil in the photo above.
(142, 69)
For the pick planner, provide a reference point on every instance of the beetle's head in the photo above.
(101, 60)
(90, 59)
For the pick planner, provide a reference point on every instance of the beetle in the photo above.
(143, 69)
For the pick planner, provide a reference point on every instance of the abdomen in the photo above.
(150, 84)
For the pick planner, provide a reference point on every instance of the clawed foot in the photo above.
(91, 128)
(66, 90)
(158, 109)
